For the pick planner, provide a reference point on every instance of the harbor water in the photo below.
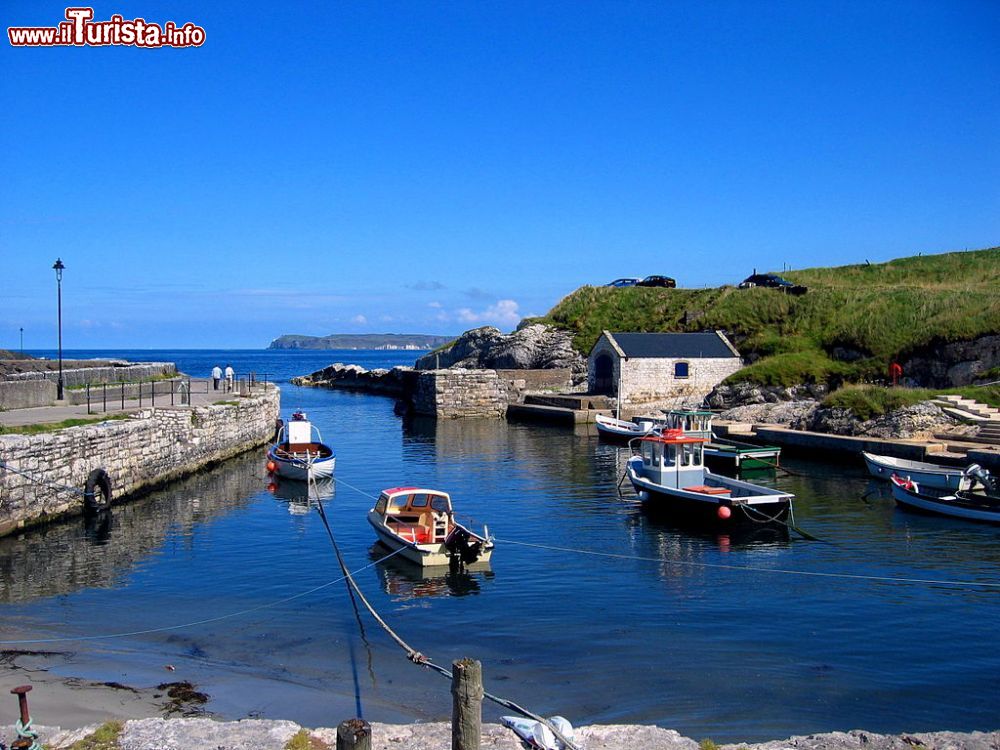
(591, 608)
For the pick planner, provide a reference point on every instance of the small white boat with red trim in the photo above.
(669, 475)
(421, 524)
(298, 454)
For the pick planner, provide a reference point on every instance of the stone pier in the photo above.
(153, 446)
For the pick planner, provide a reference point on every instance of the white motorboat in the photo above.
(299, 451)
(421, 524)
(623, 429)
(926, 475)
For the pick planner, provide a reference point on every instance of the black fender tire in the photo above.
(97, 491)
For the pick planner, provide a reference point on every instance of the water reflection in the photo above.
(405, 581)
(98, 551)
(300, 497)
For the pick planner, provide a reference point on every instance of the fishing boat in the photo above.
(728, 454)
(612, 428)
(421, 524)
(299, 451)
(670, 477)
(981, 505)
(927, 475)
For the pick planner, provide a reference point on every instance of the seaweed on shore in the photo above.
(184, 699)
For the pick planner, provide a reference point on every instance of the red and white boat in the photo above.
(421, 523)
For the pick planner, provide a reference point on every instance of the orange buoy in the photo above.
(272, 487)
(272, 467)
(724, 512)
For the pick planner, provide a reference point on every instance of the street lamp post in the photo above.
(22, 341)
(58, 267)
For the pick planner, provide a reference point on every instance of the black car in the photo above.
(773, 281)
(664, 282)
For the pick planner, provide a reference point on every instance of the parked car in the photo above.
(624, 282)
(773, 281)
(664, 282)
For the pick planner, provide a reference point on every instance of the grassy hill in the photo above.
(850, 324)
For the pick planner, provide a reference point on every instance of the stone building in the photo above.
(659, 370)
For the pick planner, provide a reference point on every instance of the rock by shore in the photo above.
(800, 407)
(258, 734)
(533, 347)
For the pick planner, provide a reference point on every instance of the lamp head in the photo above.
(58, 267)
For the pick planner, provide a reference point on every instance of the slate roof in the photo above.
(673, 345)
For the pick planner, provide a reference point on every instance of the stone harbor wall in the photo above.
(155, 446)
(93, 375)
(26, 394)
(449, 394)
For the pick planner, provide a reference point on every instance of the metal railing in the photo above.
(177, 392)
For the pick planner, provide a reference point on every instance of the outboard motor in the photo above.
(461, 549)
(977, 473)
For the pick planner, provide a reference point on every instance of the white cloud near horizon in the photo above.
(504, 312)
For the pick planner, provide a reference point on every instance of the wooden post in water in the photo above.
(467, 704)
(354, 734)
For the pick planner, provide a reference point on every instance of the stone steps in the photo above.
(966, 408)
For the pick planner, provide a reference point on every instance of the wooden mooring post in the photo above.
(467, 704)
(354, 734)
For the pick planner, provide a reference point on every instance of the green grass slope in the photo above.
(878, 312)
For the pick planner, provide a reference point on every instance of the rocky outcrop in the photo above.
(356, 378)
(954, 364)
(747, 394)
(534, 347)
(918, 421)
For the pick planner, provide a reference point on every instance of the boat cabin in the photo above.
(296, 438)
(417, 515)
(673, 459)
(693, 423)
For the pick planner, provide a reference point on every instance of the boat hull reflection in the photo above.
(406, 581)
(299, 496)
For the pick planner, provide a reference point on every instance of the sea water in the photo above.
(590, 608)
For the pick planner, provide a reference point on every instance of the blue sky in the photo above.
(321, 167)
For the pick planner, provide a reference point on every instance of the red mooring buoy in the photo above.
(724, 512)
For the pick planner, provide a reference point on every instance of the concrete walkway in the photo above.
(202, 395)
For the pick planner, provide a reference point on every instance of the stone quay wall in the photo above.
(96, 375)
(154, 446)
(26, 394)
(455, 393)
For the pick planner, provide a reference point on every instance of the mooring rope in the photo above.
(4, 466)
(411, 653)
(753, 569)
(197, 622)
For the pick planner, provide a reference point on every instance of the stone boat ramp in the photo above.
(44, 474)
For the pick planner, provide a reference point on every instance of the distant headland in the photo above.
(405, 341)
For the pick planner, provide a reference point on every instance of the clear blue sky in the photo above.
(321, 167)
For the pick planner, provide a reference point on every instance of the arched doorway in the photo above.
(604, 371)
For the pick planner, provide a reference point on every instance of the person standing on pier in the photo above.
(230, 375)
(216, 376)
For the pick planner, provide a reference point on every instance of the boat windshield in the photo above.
(441, 504)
